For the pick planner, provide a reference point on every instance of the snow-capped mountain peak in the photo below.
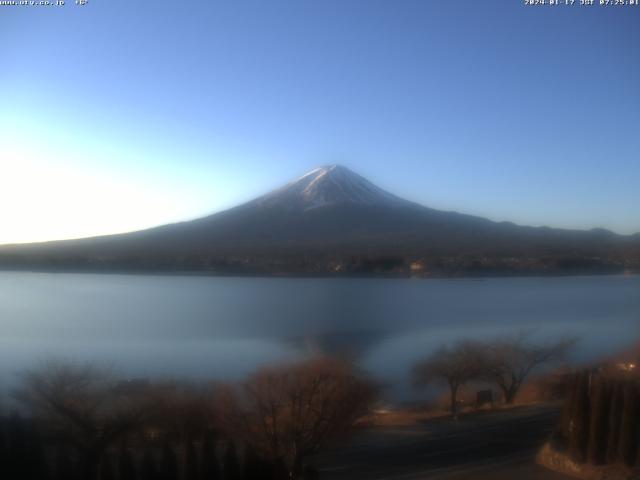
(329, 185)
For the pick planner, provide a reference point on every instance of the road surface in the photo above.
(485, 445)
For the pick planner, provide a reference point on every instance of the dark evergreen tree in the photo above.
(26, 458)
(25, 451)
(149, 470)
(63, 468)
(615, 420)
(567, 409)
(191, 462)
(90, 459)
(638, 450)
(255, 468)
(231, 467)
(629, 427)
(169, 463)
(280, 471)
(209, 468)
(126, 466)
(17, 444)
(310, 472)
(4, 445)
(106, 468)
(36, 468)
(579, 426)
(600, 399)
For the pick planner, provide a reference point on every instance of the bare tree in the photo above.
(81, 405)
(508, 361)
(288, 412)
(454, 365)
(183, 411)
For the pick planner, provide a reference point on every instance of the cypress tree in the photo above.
(63, 467)
(254, 467)
(568, 407)
(309, 472)
(191, 462)
(126, 466)
(169, 463)
(231, 467)
(18, 457)
(4, 447)
(36, 468)
(148, 470)
(106, 468)
(614, 421)
(280, 471)
(638, 443)
(579, 427)
(209, 468)
(600, 397)
(26, 458)
(628, 432)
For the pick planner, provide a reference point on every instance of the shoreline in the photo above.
(323, 275)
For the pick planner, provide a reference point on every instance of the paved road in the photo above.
(486, 445)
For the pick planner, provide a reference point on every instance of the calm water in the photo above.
(223, 327)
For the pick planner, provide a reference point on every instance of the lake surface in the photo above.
(222, 328)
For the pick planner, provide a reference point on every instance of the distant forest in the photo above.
(328, 265)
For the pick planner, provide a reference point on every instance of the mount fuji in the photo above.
(327, 186)
(334, 220)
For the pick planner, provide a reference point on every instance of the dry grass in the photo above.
(560, 462)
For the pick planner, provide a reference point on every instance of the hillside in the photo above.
(330, 221)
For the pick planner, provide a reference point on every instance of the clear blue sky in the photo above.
(125, 114)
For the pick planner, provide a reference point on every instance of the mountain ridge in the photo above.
(332, 220)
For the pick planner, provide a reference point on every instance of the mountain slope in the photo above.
(325, 219)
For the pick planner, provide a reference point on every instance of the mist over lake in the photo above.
(223, 327)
